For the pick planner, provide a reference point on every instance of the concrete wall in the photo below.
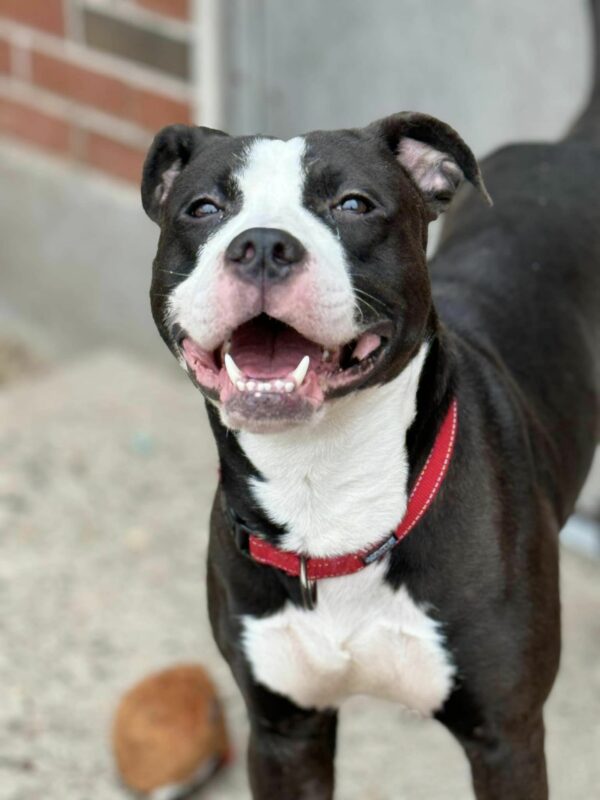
(77, 250)
(495, 69)
(75, 259)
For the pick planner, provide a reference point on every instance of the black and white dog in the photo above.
(358, 396)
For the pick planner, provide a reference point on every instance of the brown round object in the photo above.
(167, 728)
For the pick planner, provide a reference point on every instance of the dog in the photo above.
(399, 443)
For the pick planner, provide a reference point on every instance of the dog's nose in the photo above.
(264, 254)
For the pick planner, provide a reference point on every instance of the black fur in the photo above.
(512, 309)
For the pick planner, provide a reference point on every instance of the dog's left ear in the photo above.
(433, 154)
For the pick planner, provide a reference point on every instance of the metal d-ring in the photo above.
(308, 587)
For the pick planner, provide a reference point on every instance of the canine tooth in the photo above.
(227, 346)
(290, 386)
(300, 372)
(326, 355)
(234, 372)
(241, 386)
(250, 385)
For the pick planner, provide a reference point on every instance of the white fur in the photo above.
(339, 485)
(362, 638)
(271, 180)
(173, 791)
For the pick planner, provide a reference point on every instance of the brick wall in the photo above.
(92, 80)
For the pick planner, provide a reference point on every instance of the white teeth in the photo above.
(300, 372)
(326, 355)
(258, 388)
(234, 372)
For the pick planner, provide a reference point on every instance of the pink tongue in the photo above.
(367, 343)
(263, 350)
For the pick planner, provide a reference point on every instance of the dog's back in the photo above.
(522, 284)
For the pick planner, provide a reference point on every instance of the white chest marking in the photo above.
(341, 485)
(362, 638)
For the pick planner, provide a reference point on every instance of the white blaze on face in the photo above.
(318, 300)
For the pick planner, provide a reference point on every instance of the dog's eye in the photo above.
(203, 208)
(354, 204)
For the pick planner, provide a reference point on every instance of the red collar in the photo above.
(422, 496)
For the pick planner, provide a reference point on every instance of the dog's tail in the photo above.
(587, 125)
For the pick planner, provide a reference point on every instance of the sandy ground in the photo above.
(106, 473)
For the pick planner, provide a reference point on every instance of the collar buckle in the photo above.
(380, 550)
(308, 587)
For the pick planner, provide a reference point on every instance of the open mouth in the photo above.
(267, 373)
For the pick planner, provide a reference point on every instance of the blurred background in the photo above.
(106, 463)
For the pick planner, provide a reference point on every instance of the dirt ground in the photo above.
(106, 474)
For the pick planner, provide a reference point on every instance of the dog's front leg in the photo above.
(292, 758)
(291, 749)
(508, 763)
(513, 767)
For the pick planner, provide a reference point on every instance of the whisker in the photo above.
(371, 297)
(172, 272)
(359, 311)
(360, 299)
(368, 306)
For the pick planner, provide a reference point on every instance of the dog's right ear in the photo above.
(171, 151)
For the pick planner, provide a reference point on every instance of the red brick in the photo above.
(44, 14)
(152, 110)
(81, 84)
(179, 9)
(118, 159)
(33, 126)
(4, 56)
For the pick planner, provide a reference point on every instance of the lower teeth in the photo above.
(243, 384)
(268, 387)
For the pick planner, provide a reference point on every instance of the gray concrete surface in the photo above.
(106, 475)
(76, 259)
(496, 71)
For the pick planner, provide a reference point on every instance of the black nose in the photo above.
(264, 254)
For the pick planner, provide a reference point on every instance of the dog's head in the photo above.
(289, 273)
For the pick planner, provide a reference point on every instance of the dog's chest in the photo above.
(362, 638)
(341, 488)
